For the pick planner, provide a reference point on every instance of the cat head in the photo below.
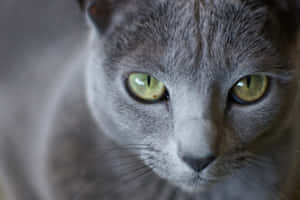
(200, 87)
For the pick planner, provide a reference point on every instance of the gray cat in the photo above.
(178, 100)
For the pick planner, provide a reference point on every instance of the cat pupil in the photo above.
(248, 81)
(149, 80)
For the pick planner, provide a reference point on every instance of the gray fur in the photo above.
(99, 138)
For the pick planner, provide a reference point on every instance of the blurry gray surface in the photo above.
(37, 40)
(37, 37)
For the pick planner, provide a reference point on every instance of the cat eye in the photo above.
(145, 87)
(250, 89)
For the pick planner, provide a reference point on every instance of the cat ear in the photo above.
(101, 13)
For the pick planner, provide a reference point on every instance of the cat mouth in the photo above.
(230, 165)
(227, 166)
(198, 184)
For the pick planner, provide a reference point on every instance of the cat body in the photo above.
(98, 142)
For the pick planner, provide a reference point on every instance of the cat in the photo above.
(194, 99)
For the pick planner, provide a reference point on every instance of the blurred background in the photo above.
(37, 39)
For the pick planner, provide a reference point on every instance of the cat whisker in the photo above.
(128, 170)
(119, 165)
(127, 181)
(159, 187)
(137, 186)
(124, 157)
(119, 154)
(120, 149)
(125, 149)
(259, 163)
(257, 182)
(131, 145)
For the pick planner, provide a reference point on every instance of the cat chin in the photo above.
(196, 185)
(190, 182)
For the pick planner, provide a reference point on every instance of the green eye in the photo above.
(250, 89)
(145, 87)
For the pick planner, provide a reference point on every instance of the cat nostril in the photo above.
(198, 164)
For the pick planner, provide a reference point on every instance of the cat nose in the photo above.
(198, 164)
(197, 144)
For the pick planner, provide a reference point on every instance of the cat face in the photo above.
(198, 87)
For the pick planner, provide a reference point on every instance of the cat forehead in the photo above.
(187, 33)
(162, 22)
(154, 14)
